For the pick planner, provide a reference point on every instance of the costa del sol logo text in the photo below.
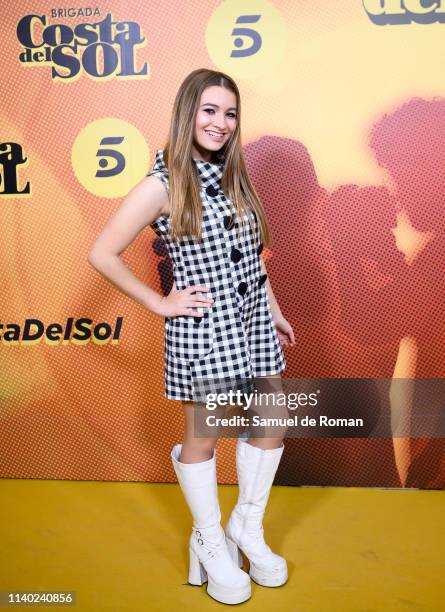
(103, 49)
(73, 331)
(12, 157)
(395, 12)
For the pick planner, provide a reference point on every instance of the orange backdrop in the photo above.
(343, 134)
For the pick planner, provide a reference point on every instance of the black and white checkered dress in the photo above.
(236, 338)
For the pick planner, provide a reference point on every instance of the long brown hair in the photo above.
(184, 188)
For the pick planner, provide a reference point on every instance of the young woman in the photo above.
(222, 321)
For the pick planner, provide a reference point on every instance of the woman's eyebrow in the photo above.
(216, 106)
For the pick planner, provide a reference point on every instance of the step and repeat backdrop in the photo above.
(343, 127)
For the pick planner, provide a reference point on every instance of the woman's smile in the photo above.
(219, 136)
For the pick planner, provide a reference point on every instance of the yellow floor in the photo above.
(123, 546)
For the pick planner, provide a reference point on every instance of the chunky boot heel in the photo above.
(197, 573)
(210, 560)
(235, 552)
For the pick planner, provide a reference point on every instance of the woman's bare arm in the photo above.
(143, 204)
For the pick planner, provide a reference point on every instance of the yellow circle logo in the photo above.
(246, 39)
(109, 156)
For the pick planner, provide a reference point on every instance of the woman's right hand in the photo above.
(179, 302)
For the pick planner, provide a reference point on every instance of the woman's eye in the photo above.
(211, 110)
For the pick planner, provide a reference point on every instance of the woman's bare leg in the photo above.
(194, 448)
(271, 384)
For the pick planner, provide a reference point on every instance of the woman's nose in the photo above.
(219, 122)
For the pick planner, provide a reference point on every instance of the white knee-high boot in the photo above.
(256, 470)
(210, 560)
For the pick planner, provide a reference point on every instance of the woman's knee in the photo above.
(197, 449)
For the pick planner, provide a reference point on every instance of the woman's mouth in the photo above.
(215, 135)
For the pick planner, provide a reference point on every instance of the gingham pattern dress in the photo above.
(236, 338)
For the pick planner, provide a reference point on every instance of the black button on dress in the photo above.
(242, 288)
(212, 191)
(235, 255)
(262, 280)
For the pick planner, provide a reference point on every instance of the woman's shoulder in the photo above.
(158, 194)
(159, 169)
(159, 166)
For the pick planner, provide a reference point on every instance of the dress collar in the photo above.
(210, 173)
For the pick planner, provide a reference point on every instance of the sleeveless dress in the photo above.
(236, 339)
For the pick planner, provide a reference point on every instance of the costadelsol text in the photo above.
(75, 331)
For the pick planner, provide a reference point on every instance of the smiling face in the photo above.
(216, 120)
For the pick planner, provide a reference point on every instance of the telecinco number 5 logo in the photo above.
(109, 156)
(250, 33)
(246, 39)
